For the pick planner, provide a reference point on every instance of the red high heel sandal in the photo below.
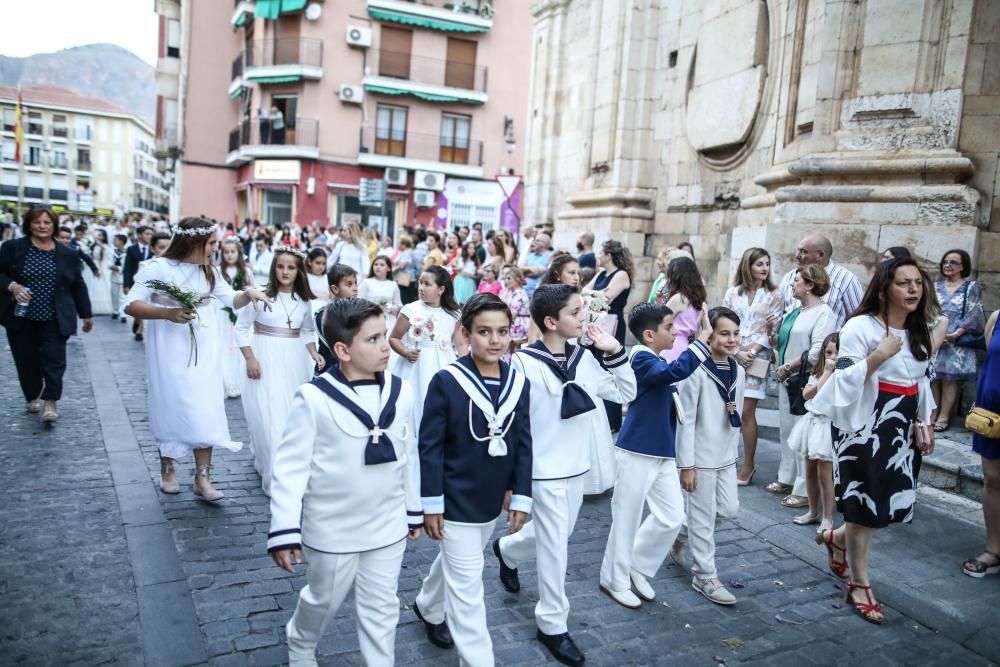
(839, 568)
(871, 611)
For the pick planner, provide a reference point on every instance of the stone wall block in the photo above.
(989, 251)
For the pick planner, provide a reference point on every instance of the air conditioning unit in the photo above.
(395, 176)
(425, 198)
(351, 94)
(428, 180)
(359, 37)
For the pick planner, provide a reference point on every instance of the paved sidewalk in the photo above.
(790, 610)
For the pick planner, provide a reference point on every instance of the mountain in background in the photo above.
(104, 71)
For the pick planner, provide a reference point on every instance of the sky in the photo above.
(44, 26)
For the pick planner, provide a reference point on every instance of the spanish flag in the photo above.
(18, 128)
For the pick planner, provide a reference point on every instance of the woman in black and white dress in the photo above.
(876, 398)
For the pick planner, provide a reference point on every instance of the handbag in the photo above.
(984, 422)
(758, 367)
(795, 384)
(974, 340)
(922, 437)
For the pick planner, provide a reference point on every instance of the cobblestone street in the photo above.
(98, 567)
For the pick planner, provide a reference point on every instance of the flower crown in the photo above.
(291, 251)
(197, 231)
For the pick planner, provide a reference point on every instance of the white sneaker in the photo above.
(624, 598)
(641, 586)
(713, 590)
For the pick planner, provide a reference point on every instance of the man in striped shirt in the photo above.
(845, 289)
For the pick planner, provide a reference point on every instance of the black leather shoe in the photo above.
(562, 647)
(508, 575)
(135, 327)
(437, 633)
(122, 320)
(138, 338)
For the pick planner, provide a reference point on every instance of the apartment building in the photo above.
(80, 154)
(288, 110)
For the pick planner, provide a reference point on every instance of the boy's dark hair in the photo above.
(343, 319)
(65, 230)
(482, 303)
(547, 301)
(82, 227)
(338, 272)
(646, 316)
(719, 312)
(158, 236)
(142, 230)
(121, 237)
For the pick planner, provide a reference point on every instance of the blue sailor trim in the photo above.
(286, 531)
(520, 504)
(617, 359)
(433, 504)
(285, 547)
(844, 362)
(700, 349)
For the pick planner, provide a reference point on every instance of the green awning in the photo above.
(274, 79)
(445, 25)
(241, 19)
(271, 9)
(237, 92)
(429, 97)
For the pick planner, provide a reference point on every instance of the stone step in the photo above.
(953, 467)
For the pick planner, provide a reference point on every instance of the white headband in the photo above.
(197, 231)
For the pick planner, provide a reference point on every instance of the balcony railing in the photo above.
(430, 71)
(415, 146)
(304, 51)
(34, 193)
(461, 6)
(297, 132)
(58, 195)
(81, 165)
(8, 190)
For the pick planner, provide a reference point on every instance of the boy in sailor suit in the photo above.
(475, 460)
(646, 453)
(345, 487)
(707, 444)
(565, 381)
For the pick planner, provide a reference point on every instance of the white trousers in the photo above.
(631, 546)
(555, 506)
(329, 578)
(792, 466)
(453, 590)
(715, 493)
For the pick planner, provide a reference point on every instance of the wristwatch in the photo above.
(787, 368)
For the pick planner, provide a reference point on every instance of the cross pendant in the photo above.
(289, 322)
(376, 433)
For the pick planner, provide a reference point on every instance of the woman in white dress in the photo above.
(756, 300)
(186, 400)
(425, 336)
(234, 271)
(351, 250)
(379, 288)
(316, 274)
(279, 346)
(99, 286)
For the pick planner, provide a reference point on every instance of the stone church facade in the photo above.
(739, 123)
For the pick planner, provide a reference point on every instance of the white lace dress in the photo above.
(431, 330)
(278, 337)
(186, 399)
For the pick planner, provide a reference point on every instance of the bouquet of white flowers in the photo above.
(597, 310)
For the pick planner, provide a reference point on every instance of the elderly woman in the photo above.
(799, 341)
(46, 295)
(879, 402)
(960, 299)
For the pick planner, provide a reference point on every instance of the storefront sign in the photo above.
(276, 170)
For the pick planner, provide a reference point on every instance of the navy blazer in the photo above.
(650, 425)
(133, 255)
(71, 298)
(455, 466)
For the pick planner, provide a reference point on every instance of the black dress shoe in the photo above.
(508, 575)
(135, 327)
(138, 338)
(122, 320)
(437, 633)
(562, 647)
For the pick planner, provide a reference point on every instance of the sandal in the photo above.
(941, 425)
(806, 519)
(839, 568)
(33, 406)
(50, 416)
(871, 611)
(794, 501)
(778, 487)
(978, 569)
(748, 481)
